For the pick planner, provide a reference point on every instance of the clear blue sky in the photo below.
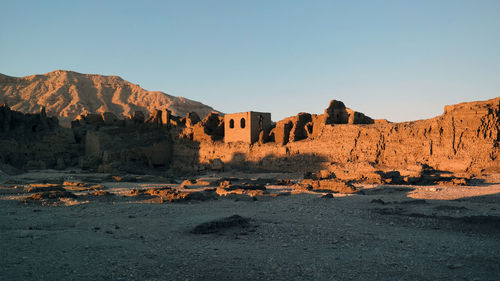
(400, 60)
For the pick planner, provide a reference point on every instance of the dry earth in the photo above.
(381, 233)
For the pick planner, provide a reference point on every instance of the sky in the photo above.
(399, 60)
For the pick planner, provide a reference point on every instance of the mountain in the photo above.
(67, 94)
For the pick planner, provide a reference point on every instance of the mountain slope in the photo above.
(67, 94)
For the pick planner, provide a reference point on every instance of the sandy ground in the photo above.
(387, 233)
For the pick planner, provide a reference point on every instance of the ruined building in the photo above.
(246, 126)
(465, 138)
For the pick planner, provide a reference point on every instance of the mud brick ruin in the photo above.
(464, 138)
(246, 127)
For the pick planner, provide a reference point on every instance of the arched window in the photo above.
(242, 123)
(231, 123)
(261, 123)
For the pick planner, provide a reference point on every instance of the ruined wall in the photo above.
(137, 145)
(234, 131)
(126, 149)
(465, 138)
(35, 141)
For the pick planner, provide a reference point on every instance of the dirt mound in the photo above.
(217, 226)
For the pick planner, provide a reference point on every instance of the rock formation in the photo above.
(68, 94)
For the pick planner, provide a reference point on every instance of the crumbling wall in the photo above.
(136, 144)
(125, 149)
(465, 138)
(35, 141)
(210, 129)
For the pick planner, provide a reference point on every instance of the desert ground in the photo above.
(107, 228)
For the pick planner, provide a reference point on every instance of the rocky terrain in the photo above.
(73, 225)
(158, 195)
(68, 94)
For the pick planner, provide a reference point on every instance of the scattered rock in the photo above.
(225, 184)
(167, 194)
(41, 187)
(332, 185)
(75, 183)
(49, 195)
(286, 182)
(187, 182)
(240, 191)
(99, 193)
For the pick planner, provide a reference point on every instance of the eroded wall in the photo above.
(234, 132)
(465, 138)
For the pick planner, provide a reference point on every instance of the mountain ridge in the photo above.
(66, 94)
